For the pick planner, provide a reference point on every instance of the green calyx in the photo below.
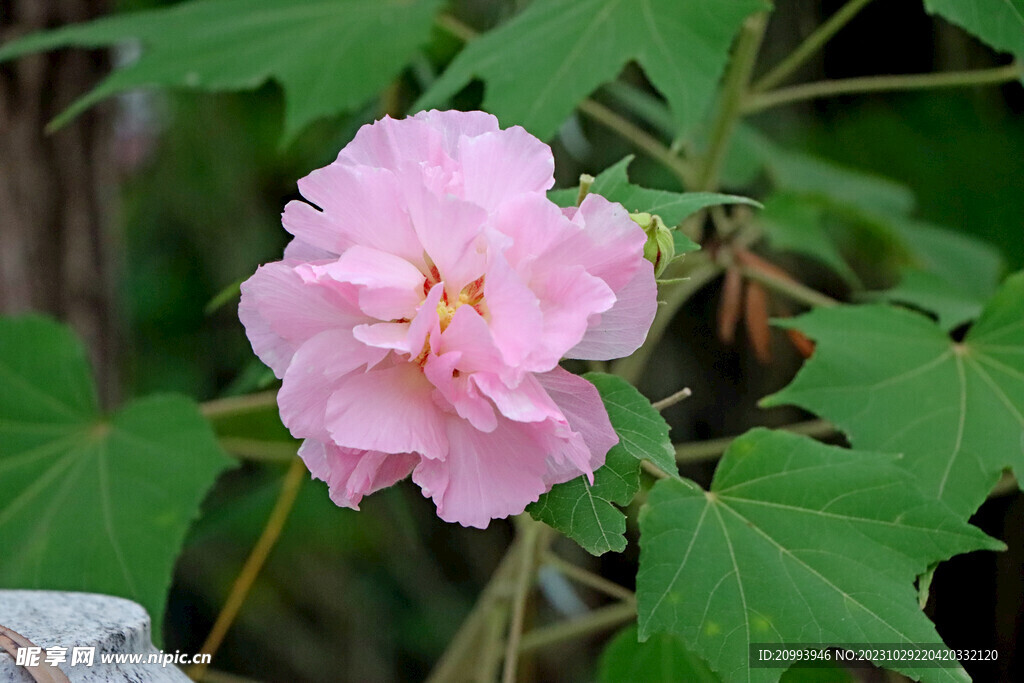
(660, 247)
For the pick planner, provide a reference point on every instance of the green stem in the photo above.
(238, 405)
(530, 532)
(640, 138)
(253, 564)
(811, 44)
(734, 90)
(257, 449)
(700, 451)
(597, 620)
(675, 398)
(869, 84)
(582, 576)
(794, 290)
(703, 270)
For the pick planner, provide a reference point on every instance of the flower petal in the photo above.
(389, 286)
(390, 410)
(527, 166)
(620, 331)
(351, 474)
(485, 476)
(280, 312)
(313, 376)
(581, 404)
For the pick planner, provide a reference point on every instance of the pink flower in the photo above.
(419, 315)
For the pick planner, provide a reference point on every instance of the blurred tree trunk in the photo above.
(54, 246)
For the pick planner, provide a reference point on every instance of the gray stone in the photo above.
(69, 620)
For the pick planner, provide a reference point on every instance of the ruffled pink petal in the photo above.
(581, 404)
(459, 392)
(393, 336)
(313, 376)
(454, 124)
(390, 287)
(451, 232)
(525, 402)
(390, 410)
(516, 320)
(469, 335)
(527, 166)
(391, 143)
(568, 297)
(485, 476)
(351, 474)
(620, 331)
(534, 227)
(300, 251)
(607, 244)
(360, 206)
(280, 312)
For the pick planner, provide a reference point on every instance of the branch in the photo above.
(530, 531)
(790, 288)
(251, 569)
(869, 84)
(734, 92)
(700, 451)
(581, 575)
(811, 44)
(597, 620)
(238, 405)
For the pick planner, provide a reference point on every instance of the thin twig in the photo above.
(597, 620)
(675, 398)
(869, 84)
(734, 92)
(640, 138)
(258, 449)
(251, 569)
(587, 578)
(811, 44)
(238, 405)
(530, 531)
(700, 451)
(790, 288)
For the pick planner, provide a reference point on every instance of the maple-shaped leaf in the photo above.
(541, 64)
(329, 56)
(894, 381)
(795, 543)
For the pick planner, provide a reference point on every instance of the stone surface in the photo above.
(68, 620)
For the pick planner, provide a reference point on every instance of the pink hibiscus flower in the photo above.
(419, 315)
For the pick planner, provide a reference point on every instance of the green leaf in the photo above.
(796, 225)
(588, 514)
(949, 273)
(1000, 23)
(673, 207)
(329, 56)
(664, 658)
(805, 174)
(573, 46)
(90, 502)
(894, 381)
(796, 542)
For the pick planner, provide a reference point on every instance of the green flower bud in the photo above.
(660, 247)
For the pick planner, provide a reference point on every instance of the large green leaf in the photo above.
(673, 207)
(948, 273)
(329, 56)
(664, 658)
(796, 542)
(588, 513)
(894, 381)
(90, 502)
(794, 224)
(542, 63)
(1000, 23)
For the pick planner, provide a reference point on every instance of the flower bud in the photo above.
(660, 247)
